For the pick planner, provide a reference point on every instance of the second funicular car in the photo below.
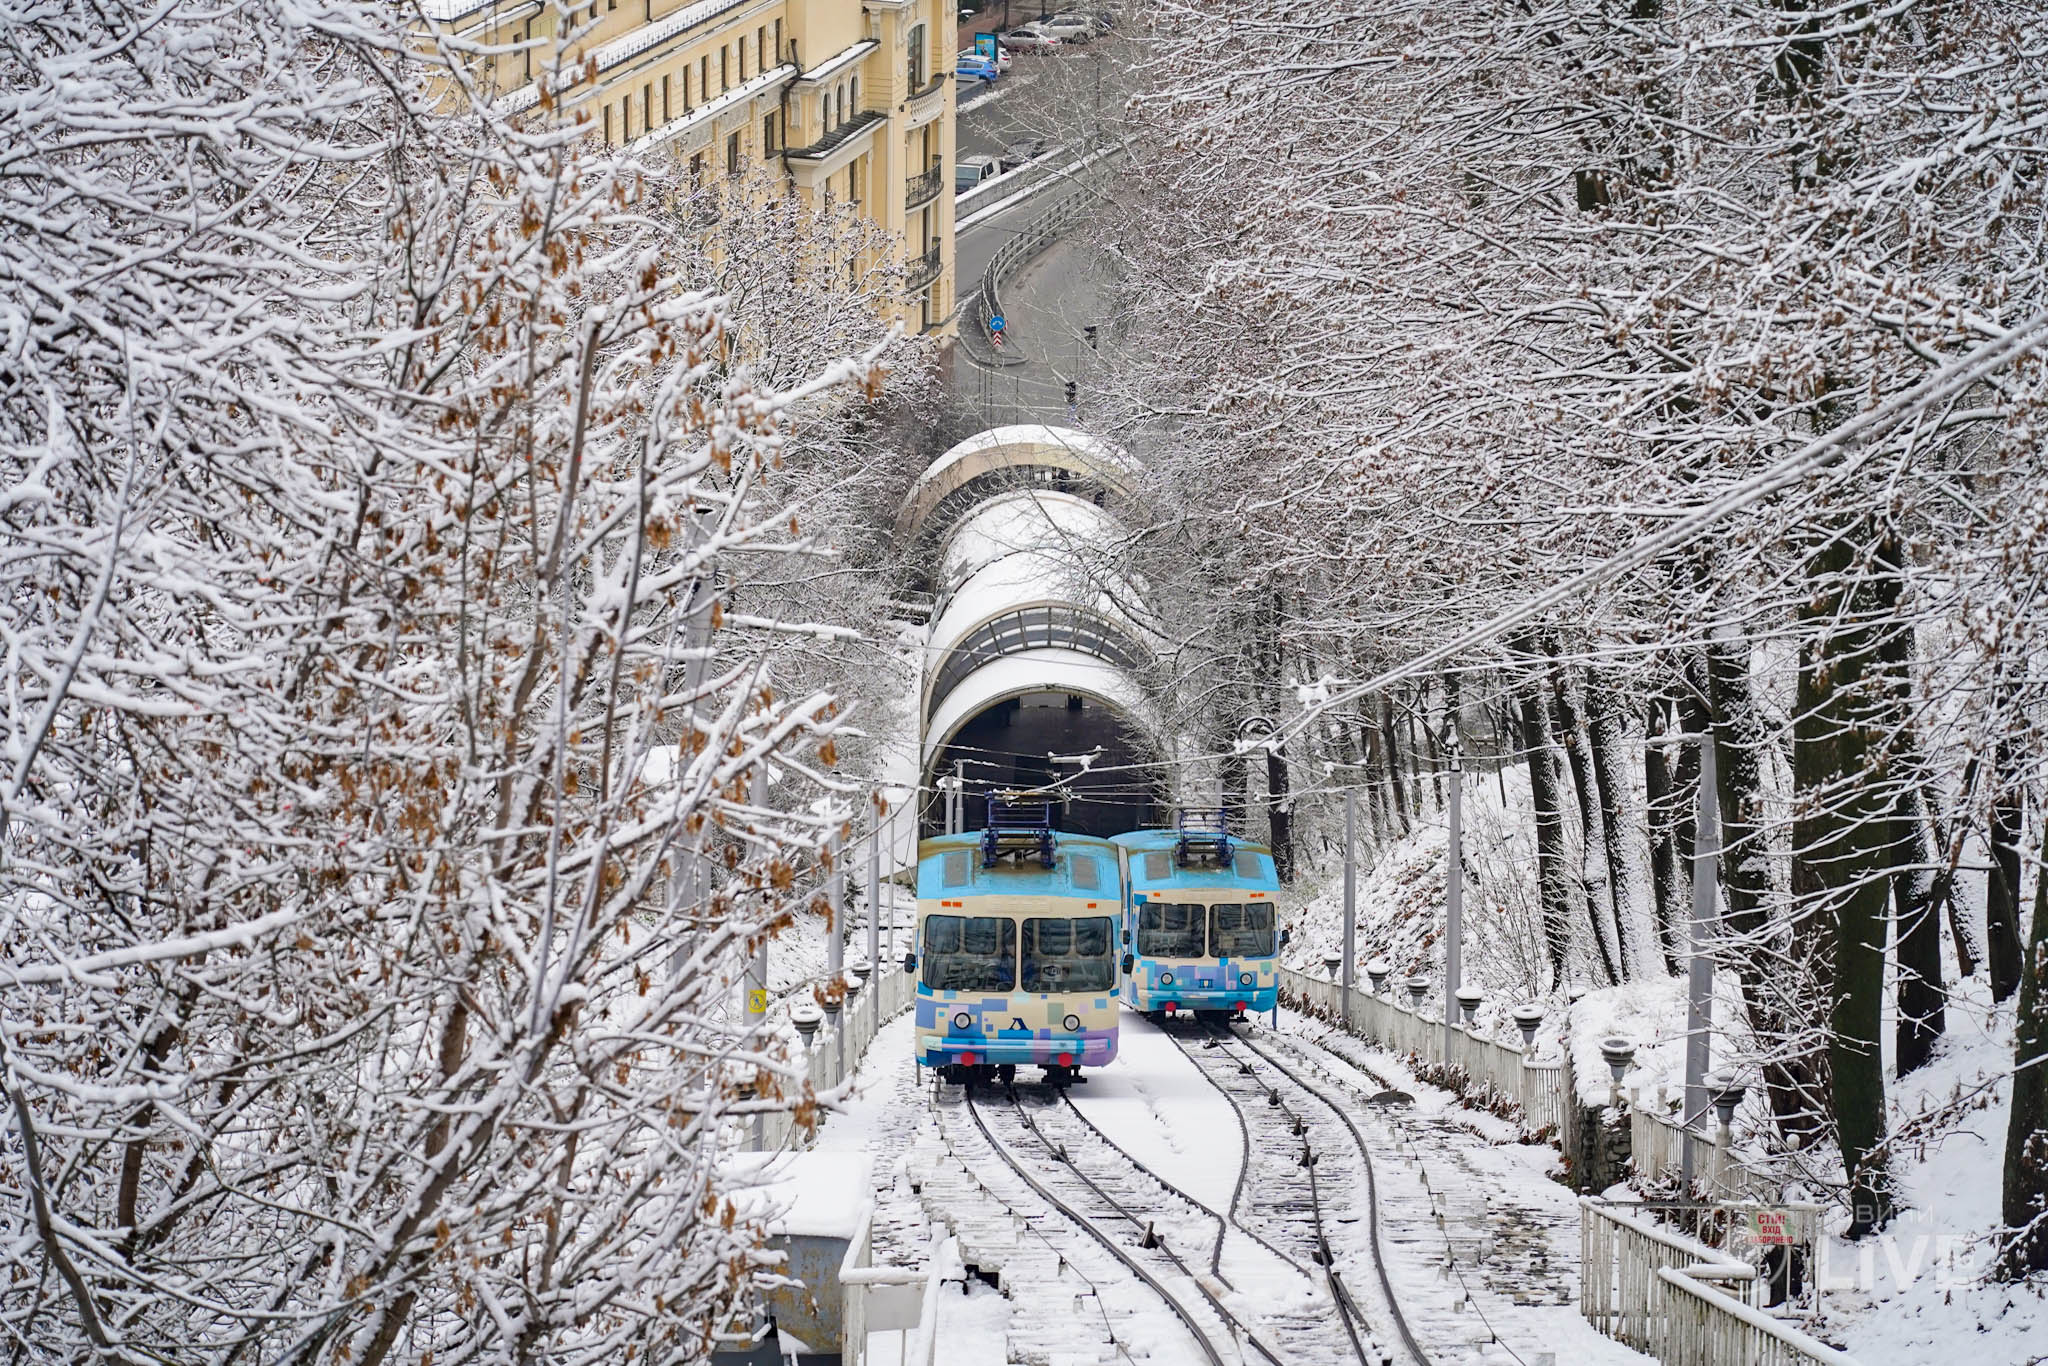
(1200, 924)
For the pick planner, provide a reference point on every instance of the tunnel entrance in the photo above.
(1035, 740)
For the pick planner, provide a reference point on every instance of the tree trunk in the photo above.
(1280, 814)
(1625, 830)
(1922, 1001)
(1599, 898)
(1842, 839)
(1969, 951)
(1669, 882)
(1782, 1012)
(2025, 1203)
(1553, 879)
(1391, 753)
(1380, 829)
(2002, 888)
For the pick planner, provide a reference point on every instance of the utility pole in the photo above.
(1454, 893)
(1350, 897)
(874, 982)
(1699, 1004)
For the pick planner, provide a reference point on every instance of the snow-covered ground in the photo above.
(1493, 1282)
(1905, 1296)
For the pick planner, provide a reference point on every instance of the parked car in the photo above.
(1028, 39)
(970, 171)
(1068, 28)
(1023, 150)
(973, 68)
(1003, 59)
(1099, 20)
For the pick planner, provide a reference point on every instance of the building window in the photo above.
(743, 58)
(732, 154)
(647, 107)
(607, 112)
(853, 97)
(761, 48)
(665, 115)
(853, 184)
(839, 106)
(696, 170)
(704, 78)
(917, 63)
(724, 69)
(768, 136)
(778, 42)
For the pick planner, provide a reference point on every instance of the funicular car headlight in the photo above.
(1166, 979)
(1245, 979)
(962, 1020)
(1072, 1024)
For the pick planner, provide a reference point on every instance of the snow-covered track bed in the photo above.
(1108, 1219)
(1288, 1196)
(1343, 1172)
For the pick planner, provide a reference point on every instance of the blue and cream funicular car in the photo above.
(1016, 955)
(1199, 920)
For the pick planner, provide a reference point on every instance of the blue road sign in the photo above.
(995, 324)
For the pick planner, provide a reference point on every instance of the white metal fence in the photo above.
(1491, 1069)
(1651, 1288)
(837, 1048)
(1657, 1150)
(901, 1301)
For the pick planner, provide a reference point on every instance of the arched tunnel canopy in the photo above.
(1033, 659)
(1025, 720)
(988, 463)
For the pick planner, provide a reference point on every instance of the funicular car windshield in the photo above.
(1170, 929)
(970, 953)
(1240, 931)
(1069, 955)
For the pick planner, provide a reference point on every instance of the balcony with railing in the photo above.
(923, 189)
(923, 270)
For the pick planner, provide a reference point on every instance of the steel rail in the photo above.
(1109, 1244)
(1117, 1250)
(1372, 1197)
(1117, 1206)
(1216, 1251)
(1348, 1312)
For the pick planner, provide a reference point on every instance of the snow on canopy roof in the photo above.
(1024, 519)
(1026, 578)
(806, 1194)
(1023, 444)
(1038, 670)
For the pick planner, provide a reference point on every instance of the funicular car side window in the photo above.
(1170, 929)
(1240, 931)
(1069, 955)
(970, 953)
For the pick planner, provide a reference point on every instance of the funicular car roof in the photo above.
(1023, 877)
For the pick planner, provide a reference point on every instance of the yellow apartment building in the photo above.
(847, 98)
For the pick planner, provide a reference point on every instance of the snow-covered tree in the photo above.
(379, 845)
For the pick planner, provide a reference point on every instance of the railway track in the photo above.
(1093, 1203)
(1294, 1127)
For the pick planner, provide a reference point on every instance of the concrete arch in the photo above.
(1036, 654)
(1003, 458)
